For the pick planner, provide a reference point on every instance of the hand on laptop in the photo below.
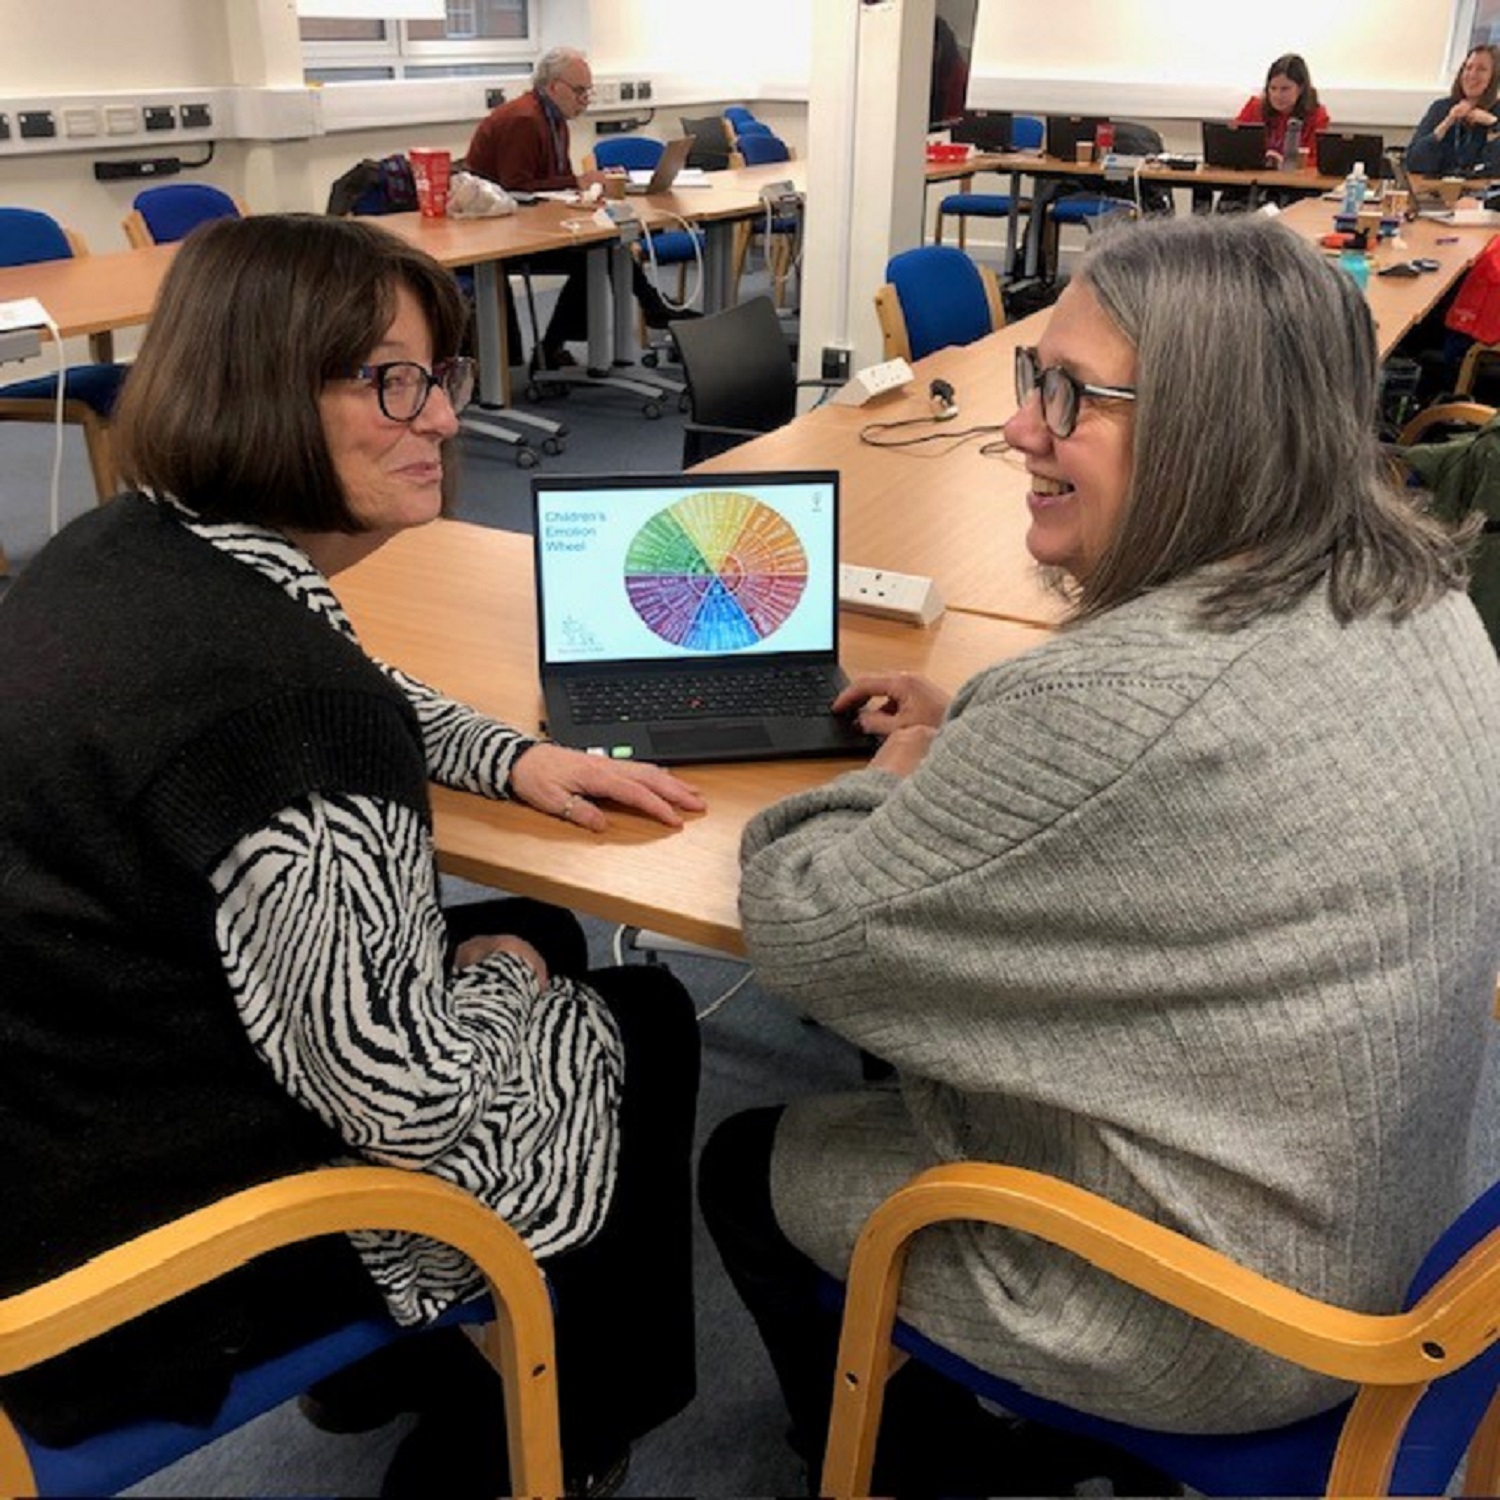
(887, 701)
(568, 784)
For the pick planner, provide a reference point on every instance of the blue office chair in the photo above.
(28, 236)
(163, 215)
(780, 234)
(165, 1263)
(1427, 1376)
(667, 247)
(935, 297)
(1026, 132)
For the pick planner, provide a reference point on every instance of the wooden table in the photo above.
(1398, 304)
(945, 509)
(453, 604)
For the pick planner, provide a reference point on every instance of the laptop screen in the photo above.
(685, 567)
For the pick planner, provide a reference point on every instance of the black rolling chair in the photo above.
(740, 376)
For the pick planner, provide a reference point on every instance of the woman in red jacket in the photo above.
(1289, 94)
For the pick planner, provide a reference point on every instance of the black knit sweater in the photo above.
(158, 701)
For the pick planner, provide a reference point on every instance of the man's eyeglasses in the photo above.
(403, 386)
(582, 92)
(1061, 392)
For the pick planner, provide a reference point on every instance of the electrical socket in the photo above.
(835, 363)
(911, 597)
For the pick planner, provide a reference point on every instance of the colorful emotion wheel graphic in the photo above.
(715, 571)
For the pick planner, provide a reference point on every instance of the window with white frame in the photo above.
(474, 37)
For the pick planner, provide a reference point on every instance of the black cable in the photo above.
(943, 433)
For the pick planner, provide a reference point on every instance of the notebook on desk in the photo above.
(1064, 132)
(686, 618)
(1229, 144)
(671, 166)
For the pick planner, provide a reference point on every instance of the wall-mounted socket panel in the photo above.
(4, 127)
(90, 122)
(38, 124)
(196, 116)
(159, 117)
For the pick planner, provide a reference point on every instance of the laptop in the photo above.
(685, 618)
(1229, 144)
(671, 168)
(1339, 150)
(984, 129)
(1065, 131)
(1425, 203)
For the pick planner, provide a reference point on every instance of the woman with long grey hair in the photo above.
(1197, 905)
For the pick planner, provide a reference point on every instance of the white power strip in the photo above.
(893, 596)
(23, 312)
(872, 381)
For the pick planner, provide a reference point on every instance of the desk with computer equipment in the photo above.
(453, 604)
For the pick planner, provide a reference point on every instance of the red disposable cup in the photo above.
(430, 170)
(1104, 138)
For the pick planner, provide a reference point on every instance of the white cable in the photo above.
(690, 295)
(53, 511)
(714, 1006)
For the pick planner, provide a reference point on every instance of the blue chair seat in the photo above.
(123, 1456)
(1079, 209)
(97, 386)
(977, 205)
(674, 246)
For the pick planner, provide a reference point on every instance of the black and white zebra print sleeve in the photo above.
(465, 749)
(333, 944)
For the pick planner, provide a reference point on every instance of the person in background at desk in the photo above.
(1196, 905)
(523, 145)
(1458, 133)
(1288, 95)
(223, 951)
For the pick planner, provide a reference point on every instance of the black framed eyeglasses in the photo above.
(1061, 392)
(581, 91)
(402, 386)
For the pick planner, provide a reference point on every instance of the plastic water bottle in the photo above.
(1356, 185)
(1291, 147)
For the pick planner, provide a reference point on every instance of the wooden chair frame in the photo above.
(1465, 413)
(896, 341)
(1392, 1358)
(166, 1262)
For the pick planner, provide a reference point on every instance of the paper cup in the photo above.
(430, 170)
(614, 184)
(1084, 151)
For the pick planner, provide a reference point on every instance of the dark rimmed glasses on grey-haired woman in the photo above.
(1061, 392)
(402, 386)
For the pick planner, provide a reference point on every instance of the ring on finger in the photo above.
(565, 812)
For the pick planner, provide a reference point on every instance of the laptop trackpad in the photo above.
(710, 739)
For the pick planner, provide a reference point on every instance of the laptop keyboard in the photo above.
(798, 693)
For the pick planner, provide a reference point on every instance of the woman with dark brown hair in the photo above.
(223, 950)
(1288, 95)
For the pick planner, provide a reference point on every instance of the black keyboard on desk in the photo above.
(682, 695)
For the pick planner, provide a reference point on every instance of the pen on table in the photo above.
(1446, 239)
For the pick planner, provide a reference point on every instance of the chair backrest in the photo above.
(170, 212)
(935, 296)
(739, 371)
(27, 235)
(1027, 132)
(710, 142)
(630, 152)
(737, 114)
(758, 148)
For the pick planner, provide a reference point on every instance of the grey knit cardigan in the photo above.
(1205, 921)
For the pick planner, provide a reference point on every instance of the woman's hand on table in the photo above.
(568, 784)
(884, 702)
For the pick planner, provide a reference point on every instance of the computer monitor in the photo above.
(952, 47)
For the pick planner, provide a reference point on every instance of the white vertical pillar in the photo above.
(867, 125)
